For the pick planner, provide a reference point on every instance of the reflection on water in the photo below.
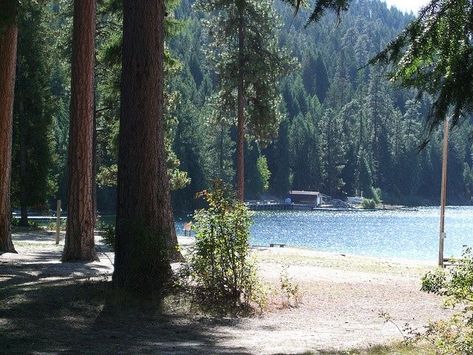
(406, 234)
(411, 234)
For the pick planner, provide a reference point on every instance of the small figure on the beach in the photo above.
(187, 229)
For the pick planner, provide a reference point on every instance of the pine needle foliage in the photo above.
(263, 64)
(434, 54)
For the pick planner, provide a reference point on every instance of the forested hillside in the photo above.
(345, 128)
(337, 125)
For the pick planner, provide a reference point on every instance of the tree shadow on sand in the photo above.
(57, 315)
(49, 306)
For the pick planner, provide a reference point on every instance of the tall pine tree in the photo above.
(249, 64)
(33, 109)
(144, 224)
(8, 46)
(80, 243)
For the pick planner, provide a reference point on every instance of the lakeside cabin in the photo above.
(296, 200)
(313, 198)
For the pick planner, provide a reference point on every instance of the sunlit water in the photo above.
(402, 234)
(406, 234)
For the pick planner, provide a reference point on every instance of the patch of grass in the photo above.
(391, 349)
(349, 263)
(33, 226)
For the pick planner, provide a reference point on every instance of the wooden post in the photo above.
(443, 194)
(58, 221)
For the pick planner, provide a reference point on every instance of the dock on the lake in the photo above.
(270, 206)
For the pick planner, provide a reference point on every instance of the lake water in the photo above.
(406, 234)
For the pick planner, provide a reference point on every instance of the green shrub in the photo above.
(455, 335)
(108, 235)
(264, 174)
(51, 226)
(221, 264)
(456, 284)
(376, 195)
(368, 204)
(289, 289)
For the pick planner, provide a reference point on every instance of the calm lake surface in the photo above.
(406, 234)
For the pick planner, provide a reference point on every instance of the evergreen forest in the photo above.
(330, 123)
(148, 119)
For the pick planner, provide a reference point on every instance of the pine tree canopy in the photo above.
(321, 6)
(8, 12)
(434, 54)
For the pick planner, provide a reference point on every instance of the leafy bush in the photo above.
(368, 204)
(221, 264)
(289, 289)
(376, 195)
(264, 173)
(51, 226)
(374, 201)
(108, 235)
(455, 335)
(456, 284)
(107, 232)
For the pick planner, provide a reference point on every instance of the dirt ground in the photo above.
(48, 306)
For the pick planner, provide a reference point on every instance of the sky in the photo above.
(407, 5)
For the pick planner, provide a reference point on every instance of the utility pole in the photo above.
(443, 194)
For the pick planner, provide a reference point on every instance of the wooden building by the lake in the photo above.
(314, 198)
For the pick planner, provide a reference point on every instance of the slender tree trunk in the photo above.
(144, 228)
(222, 132)
(80, 208)
(23, 127)
(23, 211)
(8, 43)
(241, 115)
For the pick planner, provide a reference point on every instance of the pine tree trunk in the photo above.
(80, 219)
(23, 212)
(145, 227)
(241, 115)
(23, 161)
(8, 43)
(94, 161)
(221, 146)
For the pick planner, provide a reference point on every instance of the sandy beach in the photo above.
(342, 299)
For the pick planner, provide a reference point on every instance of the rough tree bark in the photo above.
(241, 114)
(80, 208)
(144, 228)
(8, 43)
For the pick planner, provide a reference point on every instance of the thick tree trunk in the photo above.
(144, 228)
(80, 208)
(94, 161)
(241, 115)
(8, 43)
